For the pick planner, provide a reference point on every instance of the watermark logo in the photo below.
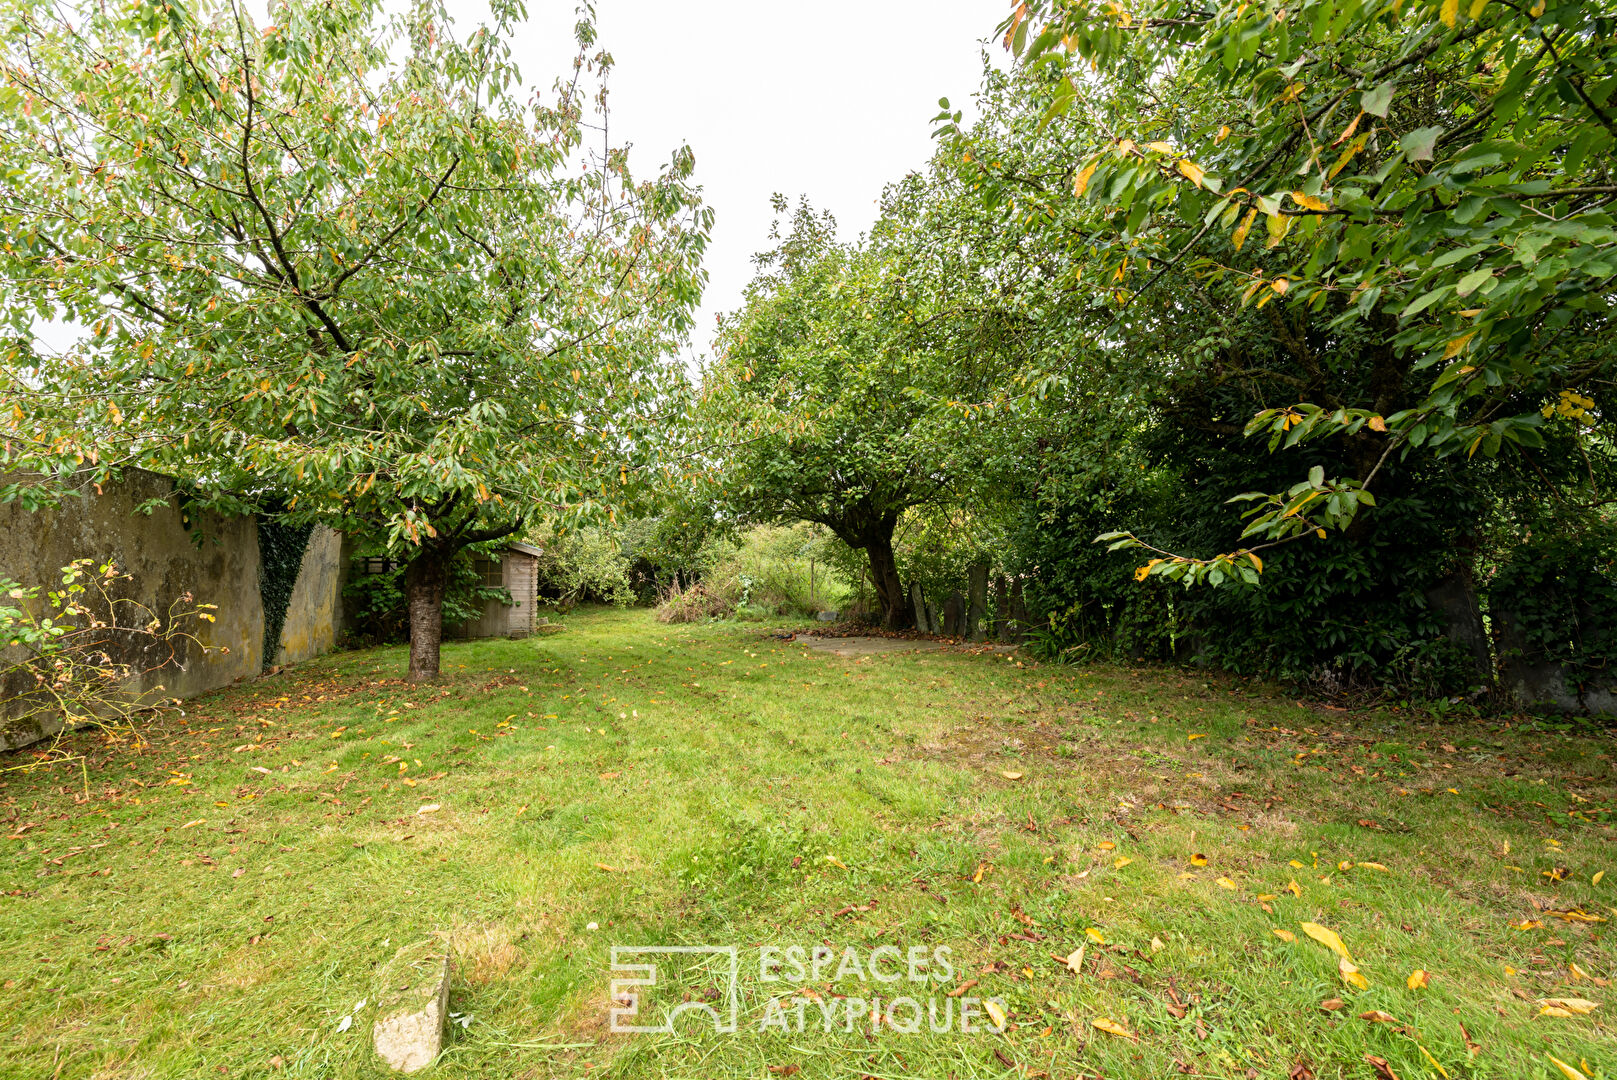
(797, 989)
(721, 962)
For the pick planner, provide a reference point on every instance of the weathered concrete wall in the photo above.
(314, 613)
(164, 562)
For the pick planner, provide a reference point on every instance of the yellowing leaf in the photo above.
(1197, 735)
(1427, 1054)
(1450, 12)
(1452, 349)
(1566, 1070)
(1283, 935)
(1417, 979)
(1580, 1006)
(1328, 938)
(1120, 862)
(1294, 889)
(1156, 944)
(1226, 883)
(982, 868)
(1011, 775)
(1308, 202)
(1095, 935)
(1198, 859)
(1159, 147)
(1350, 974)
(1106, 845)
(1191, 171)
(1557, 1011)
(1080, 183)
(604, 867)
(1112, 1027)
(1596, 879)
(995, 1013)
(1239, 236)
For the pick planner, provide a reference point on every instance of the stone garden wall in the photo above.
(216, 560)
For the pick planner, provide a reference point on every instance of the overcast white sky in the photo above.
(830, 100)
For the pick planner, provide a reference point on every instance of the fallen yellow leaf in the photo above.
(1198, 860)
(1596, 879)
(608, 869)
(1226, 883)
(1120, 862)
(1566, 1070)
(1197, 735)
(1374, 866)
(1112, 1027)
(1427, 1054)
(429, 808)
(1156, 944)
(1011, 775)
(976, 879)
(1095, 935)
(1295, 889)
(1328, 938)
(1417, 979)
(1351, 975)
(1283, 935)
(995, 1013)
(1075, 960)
(1580, 1006)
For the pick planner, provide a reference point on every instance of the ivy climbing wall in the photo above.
(218, 560)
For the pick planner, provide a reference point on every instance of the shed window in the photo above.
(490, 573)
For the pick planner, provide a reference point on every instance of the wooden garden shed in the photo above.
(517, 570)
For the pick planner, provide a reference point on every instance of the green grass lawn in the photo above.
(214, 902)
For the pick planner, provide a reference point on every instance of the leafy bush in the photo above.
(1557, 600)
(693, 603)
(783, 570)
(74, 653)
(378, 612)
(587, 565)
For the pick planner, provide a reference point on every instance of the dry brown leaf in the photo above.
(1331, 1004)
(1376, 1016)
(1383, 1070)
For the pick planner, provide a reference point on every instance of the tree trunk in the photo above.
(977, 601)
(884, 578)
(424, 582)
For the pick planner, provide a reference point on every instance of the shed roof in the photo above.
(526, 549)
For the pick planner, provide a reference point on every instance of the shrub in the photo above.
(79, 654)
(586, 565)
(782, 570)
(694, 603)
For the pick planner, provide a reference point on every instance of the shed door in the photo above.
(520, 579)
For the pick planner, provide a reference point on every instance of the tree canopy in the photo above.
(335, 268)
